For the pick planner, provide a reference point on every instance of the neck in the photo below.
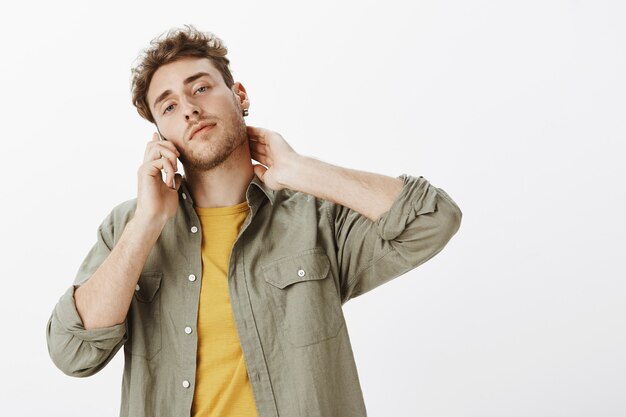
(224, 185)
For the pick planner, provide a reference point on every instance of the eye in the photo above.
(199, 88)
(167, 108)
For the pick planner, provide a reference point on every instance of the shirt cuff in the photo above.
(416, 197)
(70, 321)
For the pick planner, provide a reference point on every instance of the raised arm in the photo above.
(88, 324)
(383, 226)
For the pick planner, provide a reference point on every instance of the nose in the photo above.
(190, 108)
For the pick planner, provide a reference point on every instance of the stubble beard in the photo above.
(214, 149)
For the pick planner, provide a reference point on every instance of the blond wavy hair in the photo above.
(168, 47)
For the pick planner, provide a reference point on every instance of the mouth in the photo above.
(204, 127)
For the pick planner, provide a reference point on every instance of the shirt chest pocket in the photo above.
(144, 316)
(305, 300)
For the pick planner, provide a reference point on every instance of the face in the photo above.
(189, 91)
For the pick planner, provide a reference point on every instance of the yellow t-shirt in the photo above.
(222, 385)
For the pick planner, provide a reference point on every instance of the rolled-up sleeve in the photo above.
(419, 224)
(75, 350)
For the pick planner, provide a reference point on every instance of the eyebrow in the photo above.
(187, 80)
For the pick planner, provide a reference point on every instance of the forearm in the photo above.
(367, 193)
(105, 298)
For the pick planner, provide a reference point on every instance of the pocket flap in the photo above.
(306, 266)
(148, 285)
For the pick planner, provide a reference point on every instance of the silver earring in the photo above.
(245, 112)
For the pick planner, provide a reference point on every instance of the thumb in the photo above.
(260, 170)
(178, 179)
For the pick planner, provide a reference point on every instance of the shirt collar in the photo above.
(251, 192)
(266, 190)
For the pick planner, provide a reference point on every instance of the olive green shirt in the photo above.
(296, 261)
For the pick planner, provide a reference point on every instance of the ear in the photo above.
(240, 92)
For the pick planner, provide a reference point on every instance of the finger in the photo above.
(258, 147)
(169, 145)
(258, 139)
(255, 129)
(149, 144)
(179, 180)
(256, 133)
(153, 169)
(256, 155)
(162, 145)
(265, 160)
(259, 170)
(169, 172)
(255, 141)
(162, 152)
(158, 151)
(156, 141)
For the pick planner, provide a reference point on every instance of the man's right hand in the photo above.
(156, 199)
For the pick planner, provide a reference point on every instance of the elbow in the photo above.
(449, 221)
(63, 350)
(72, 355)
(452, 220)
(68, 366)
(429, 233)
(75, 350)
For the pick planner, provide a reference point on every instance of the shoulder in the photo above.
(124, 210)
(288, 198)
(118, 217)
(300, 208)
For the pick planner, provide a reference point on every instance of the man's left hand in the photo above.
(274, 153)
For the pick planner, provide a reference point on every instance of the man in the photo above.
(225, 286)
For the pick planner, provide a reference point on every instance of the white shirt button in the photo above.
(137, 288)
(186, 384)
(184, 196)
(194, 229)
(301, 272)
(192, 277)
(188, 330)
